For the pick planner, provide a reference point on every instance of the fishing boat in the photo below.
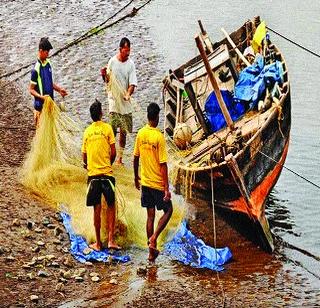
(227, 123)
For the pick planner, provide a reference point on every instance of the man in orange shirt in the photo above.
(99, 153)
(150, 148)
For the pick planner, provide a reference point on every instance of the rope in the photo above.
(295, 262)
(294, 43)
(295, 173)
(215, 239)
(91, 31)
(88, 34)
(213, 213)
(301, 250)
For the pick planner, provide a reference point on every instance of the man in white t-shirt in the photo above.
(122, 80)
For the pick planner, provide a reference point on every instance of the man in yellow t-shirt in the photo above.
(150, 149)
(98, 153)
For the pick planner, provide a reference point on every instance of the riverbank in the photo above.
(38, 269)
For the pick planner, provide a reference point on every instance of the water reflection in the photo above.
(279, 216)
(283, 228)
(152, 273)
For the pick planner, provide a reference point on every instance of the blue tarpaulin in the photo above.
(188, 249)
(214, 113)
(254, 80)
(78, 245)
(184, 247)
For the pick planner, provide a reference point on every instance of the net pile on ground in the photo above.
(53, 170)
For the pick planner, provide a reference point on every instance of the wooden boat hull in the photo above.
(241, 177)
(260, 175)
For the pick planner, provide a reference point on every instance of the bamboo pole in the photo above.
(214, 84)
(181, 110)
(235, 47)
(178, 107)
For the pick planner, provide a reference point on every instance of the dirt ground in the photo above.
(36, 267)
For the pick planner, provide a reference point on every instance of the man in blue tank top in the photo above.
(41, 83)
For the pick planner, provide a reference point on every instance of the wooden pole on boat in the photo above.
(205, 38)
(214, 84)
(197, 109)
(203, 32)
(178, 107)
(242, 57)
(239, 180)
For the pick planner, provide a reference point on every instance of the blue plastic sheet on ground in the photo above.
(254, 79)
(189, 250)
(184, 247)
(78, 244)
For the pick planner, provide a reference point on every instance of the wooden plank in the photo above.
(242, 57)
(216, 59)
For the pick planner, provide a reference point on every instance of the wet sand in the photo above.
(253, 278)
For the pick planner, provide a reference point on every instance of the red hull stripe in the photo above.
(260, 193)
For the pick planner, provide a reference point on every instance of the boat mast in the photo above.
(205, 38)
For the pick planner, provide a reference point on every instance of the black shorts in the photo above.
(151, 198)
(98, 185)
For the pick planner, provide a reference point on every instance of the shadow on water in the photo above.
(282, 226)
(279, 216)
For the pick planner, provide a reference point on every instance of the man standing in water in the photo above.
(41, 79)
(150, 146)
(98, 153)
(122, 80)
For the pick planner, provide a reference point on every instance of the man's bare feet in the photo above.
(96, 246)
(153, 251)
(152, 243)
(153, 254)
(114, 246)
